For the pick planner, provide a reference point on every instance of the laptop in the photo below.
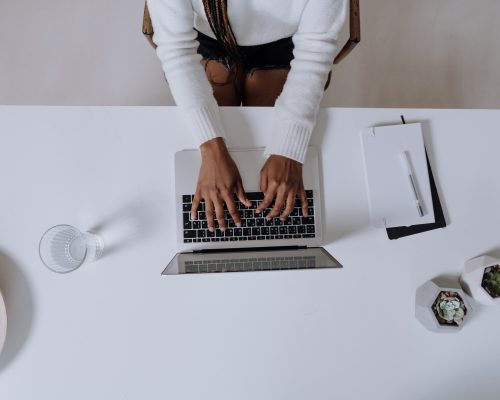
(259, 245)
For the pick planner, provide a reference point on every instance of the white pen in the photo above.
(405, 164)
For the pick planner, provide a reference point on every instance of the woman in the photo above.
(265, 53)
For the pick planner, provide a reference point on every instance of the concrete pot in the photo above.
(425, 298)
(472, 279)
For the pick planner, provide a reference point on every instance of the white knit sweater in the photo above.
(314, 26)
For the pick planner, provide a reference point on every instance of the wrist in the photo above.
(213, 147)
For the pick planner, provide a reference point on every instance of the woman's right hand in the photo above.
(217, 181)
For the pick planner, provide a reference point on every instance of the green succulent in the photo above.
(491, 280)
(451, 311)
(449, 308)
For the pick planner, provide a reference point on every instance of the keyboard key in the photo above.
(247, 231)
(264, 230)
(255, 231)
(248, 214)
(292, 229)
(307, 220)
(301, 229)
(297, 220)
(309, 194)
(310, 228)
(310, 210)
(255, 196)
(186, 198)
(310, 202)
(189, 234)
(186, 207)
(283, 230)
(201, 233)
(308, 235)
(196, 224)
(229, 232)
(260, 221)
(238, 231)
(275, 230)
(250, 222)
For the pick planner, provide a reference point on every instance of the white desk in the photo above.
(116, 329)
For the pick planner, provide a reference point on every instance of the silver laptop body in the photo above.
(200, 255)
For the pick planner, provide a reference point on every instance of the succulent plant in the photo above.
(449, 308)
(491, 280)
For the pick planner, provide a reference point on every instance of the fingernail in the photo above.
(211, 228)
(222, 228)
(258, 211)
(238, 224)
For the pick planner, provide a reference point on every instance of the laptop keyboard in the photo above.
(250, 264)
(254, 225)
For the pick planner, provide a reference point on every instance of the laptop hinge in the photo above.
(239, 249)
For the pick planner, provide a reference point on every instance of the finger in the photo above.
(278, 204)
(219, 212)
(303, 199)
(209, 211)
(263, 181)
(195, 205)
(268, 198)
(242, 196)
(290, 204)
(233, 211)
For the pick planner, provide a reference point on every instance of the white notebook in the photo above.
(390, 195)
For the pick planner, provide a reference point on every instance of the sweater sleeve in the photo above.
(176, 42)
(315, 45)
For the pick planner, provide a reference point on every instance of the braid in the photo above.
(216, 12)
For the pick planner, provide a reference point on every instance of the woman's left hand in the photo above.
(281, 178)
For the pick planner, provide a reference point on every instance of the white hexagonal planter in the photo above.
(426, 297)
(472, 279)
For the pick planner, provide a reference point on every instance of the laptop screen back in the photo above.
(251, 260)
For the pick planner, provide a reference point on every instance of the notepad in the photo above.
(391, 199)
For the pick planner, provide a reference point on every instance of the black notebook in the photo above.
(401, 231)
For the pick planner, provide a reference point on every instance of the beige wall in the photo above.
(414, 53)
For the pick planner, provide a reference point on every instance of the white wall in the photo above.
(425, 53)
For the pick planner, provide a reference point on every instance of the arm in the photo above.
(315, 45)
(177, 45)
(177, 50)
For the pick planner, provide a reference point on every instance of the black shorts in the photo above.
(272, 55)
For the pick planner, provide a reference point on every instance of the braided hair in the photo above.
(216, 12)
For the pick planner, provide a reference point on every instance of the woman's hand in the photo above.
(281, 178)
(217, 181)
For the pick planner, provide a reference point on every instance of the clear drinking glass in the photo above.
(63, 248)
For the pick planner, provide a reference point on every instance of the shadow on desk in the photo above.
(135, 222)
(19, 305)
